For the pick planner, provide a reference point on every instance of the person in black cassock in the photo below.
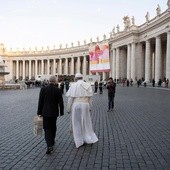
(50, 106)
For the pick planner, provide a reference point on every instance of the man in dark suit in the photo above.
(49, 106)
(111, 86)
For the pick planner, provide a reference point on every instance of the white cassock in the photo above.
(79, 100)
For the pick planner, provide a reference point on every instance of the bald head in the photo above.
(53, 79)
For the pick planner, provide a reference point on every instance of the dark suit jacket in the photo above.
(50, 101)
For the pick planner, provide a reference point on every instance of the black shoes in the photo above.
(49, 150)
(110, 110)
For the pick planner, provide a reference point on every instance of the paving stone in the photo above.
(136, 135)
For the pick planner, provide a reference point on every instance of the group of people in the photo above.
(98, 85)
(51, 105)
(127, 82)
(165, 82)
(66, 84)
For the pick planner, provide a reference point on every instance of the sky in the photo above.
(37, 23)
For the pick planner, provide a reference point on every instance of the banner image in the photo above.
(99, 58)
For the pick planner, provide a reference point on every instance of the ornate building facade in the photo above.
(136, 52)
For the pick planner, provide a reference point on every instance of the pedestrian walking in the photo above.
(62, 87)
(153, 82)
(166, 83)
(96, 84)
(101, 87)
(131, 82)
(49, 104)
(79, 101)
(127, 83)
(111, 86)
(67, 84)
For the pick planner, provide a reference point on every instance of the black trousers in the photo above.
(50, 128)
(111, 101)
(101, 90)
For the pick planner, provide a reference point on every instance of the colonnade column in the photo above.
(54, 69)
(128, 62)
(23, 71)
(148, 61)
(42, 67)
(72, 66)
(158, 66)
(133, 62)
(36, 67)
(17, 69)
(78, 64)
(29, 70)
(66, 66)
(140, 61)
(117, 63)
(48, 66)
(60, 66)
(20, 69)
(114, 64)
(168, 56)
(84, 65)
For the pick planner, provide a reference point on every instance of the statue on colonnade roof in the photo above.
(113, 30)
(168, 3)
(127, 23)
(133, 20)
(147, 17)
(104, 36)
(84, 42)
(158, 10)
(110, 34)
(118, 28)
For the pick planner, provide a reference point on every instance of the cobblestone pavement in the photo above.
(136, 135)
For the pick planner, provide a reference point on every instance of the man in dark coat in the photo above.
(49, 106)
(111, 86)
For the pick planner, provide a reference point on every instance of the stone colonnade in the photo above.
(148, 59)
(30, 68)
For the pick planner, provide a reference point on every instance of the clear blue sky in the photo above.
(30, 23)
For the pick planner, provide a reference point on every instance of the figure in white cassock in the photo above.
(79, 101)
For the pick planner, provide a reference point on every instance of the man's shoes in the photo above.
(110, 110)
(49, 150)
